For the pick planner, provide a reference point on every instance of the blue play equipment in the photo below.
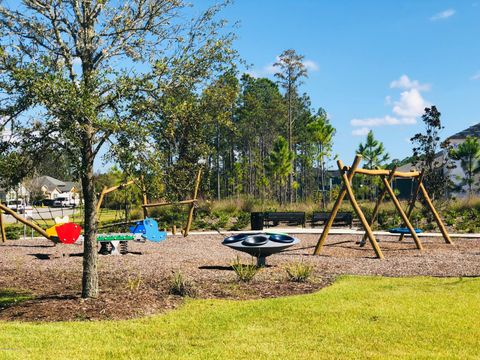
(138, 228)
(148, 229)
(401, 230)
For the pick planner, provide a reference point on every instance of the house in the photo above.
(455, 173)
(47, 187)
(20, 192)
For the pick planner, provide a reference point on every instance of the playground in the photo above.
(136, 284)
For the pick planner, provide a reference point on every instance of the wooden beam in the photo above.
(192, 206)
(411, 204)
(438, 220)
(402, 213)
(119, 186)
(100, 199)
(106, 191)
(336, 206)
(182, 202)
(376, 209)
(378, 172)
(25, 221)
(359, 212)
(144, 198)
(3, 235)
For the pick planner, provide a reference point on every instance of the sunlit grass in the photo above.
(357, 317)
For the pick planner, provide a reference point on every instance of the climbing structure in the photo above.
(387, 176)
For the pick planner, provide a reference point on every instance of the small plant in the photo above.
(245, 272)
(13, 232)
(134, 282)
(181, 286)
(299, 271)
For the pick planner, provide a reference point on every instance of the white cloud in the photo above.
(404, 82)
(360, 132)
(311, 65)
(443, 15)
(381, 121)
(405, 110)
(410, 105)
(476, 76)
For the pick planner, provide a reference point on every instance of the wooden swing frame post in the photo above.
(336, 207)
(359, 211)
(413, 199)
(144, 198)
(192, 202)
(107, 190)
(2, 228)
(192, 206)
(402, 213)
(376, 209)
(438, 220)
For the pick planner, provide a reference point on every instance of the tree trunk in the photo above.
(90, 274)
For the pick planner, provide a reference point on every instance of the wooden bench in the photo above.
(292, 218)
(345, 218)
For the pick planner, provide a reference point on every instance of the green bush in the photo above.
(244, 272)
(179, 285)
(13, 232)
(299, 271)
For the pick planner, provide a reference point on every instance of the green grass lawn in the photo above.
(357, 317)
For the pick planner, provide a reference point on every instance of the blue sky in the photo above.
(373, 64)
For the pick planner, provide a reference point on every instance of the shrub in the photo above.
(242, 222)
(299, 271)
(134, 282)
(13, 232)
(245, 272)
(179, 285)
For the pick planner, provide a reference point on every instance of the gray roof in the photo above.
(68, 186)
(471, 131)
(49, 182)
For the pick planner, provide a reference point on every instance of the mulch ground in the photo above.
(137, 284)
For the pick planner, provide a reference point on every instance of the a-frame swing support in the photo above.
(3, 235)
(387, 176)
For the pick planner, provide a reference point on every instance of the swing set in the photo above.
(387, 176)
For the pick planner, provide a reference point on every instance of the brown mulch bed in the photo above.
(137, 284)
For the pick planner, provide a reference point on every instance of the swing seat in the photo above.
(401, 230)
(151, 231)
(68, 233)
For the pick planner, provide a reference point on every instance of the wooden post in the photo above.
(359, 212)
(100, 199)
(402, 213)
(411, 205)
(192, 206)
(391, 176)
(2, 228)
(144, 197)
(336, 206)
(435, 214)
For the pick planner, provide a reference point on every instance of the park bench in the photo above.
(344, 218)
(292, 218)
